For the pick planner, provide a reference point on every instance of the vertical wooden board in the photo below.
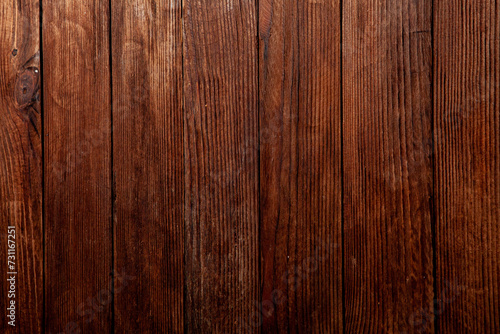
(387, 114)
(221, 162)
(148, 165)
(278, 111)
(318, 272)
(300, 142)
(20, 168)
(467, 165)
(77, 166)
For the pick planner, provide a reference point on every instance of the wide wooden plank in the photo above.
(77, 120)
(467, 165)
(300, 143)
(221, 158)
(387, 118)
(148, 165)
(21, 254)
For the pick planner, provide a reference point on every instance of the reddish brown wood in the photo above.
(387, 114)
(221, 161)
(148, 165)
(20, 168)
(467, 165)
(278, 109)
(274, 166)
(300, 142)
(77, 166)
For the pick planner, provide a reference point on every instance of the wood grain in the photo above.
(300, 143)
(221, 161)
(148, 165)
(21, 165)
(251, 166)
(77, 166)
(387, 117)
(467, 165)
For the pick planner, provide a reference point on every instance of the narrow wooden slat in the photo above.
(77, 166)
(467, 165)
(221, 162)
(278, 110)
(20, 168)
(300, 142)
(148, 165)
(387, 100)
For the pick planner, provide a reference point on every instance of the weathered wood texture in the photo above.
(148, 165)
(221, 163)
(467, 165)
(300, 145)
(21, 165)
(77, 120)
(387, 118)
(266, 166)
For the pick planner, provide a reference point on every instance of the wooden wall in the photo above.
(270, 166)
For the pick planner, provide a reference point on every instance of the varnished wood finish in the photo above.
(387, 117)
(300, 142)
(77, 119)
(467, 165)
(221, 165)
(267, 166)
(21, 165)
(148, 165)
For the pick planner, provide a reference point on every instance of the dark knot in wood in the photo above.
(26, 87)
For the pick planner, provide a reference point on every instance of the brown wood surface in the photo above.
(222, 165)
(300, 145)
(77, 120)
(148, 165)
(387, 118)
(467, 165)
(21, 165)
(268, 166)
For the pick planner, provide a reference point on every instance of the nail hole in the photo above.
(25, 90)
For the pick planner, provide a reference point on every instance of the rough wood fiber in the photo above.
(467, 164)
(221, 163)
(148, 164)
(300, 142)
(21, 163)
(77, 166)
(387, 61)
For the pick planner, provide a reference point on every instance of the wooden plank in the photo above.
(467, 165)
(20, 168)
(278, 110)
(148, 164)
(387, 118)
(77, 150)
(221, 158)
(300, 142)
